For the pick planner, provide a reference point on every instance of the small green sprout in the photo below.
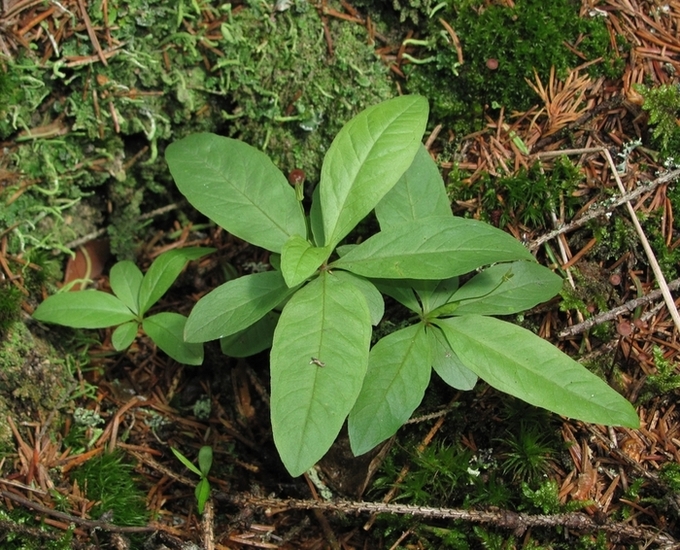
(133, 296)
(205, 456)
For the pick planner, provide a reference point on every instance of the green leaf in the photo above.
(507, 288)
(202, 494)
(434, 248)
(167, 330)
(419, 193)
(365, 160)
(251, 340)
(318, 362)
(238, 187)
(433, 294)
(517, 362)
(187, 463)
(124, 335)
(374, 300)
(446, 363)
(83, 309)
(397, 376)
(126, 279)
(401, 290)
(299, 260)
(236, 305)
(163, 272)
(205, 459)
(316, 218)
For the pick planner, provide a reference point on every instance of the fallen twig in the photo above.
(660, 279)
(501, 518)
(604, 207)
(89, 523)
(614, 313)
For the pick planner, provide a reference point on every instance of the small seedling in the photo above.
(529, 454)
(133, 295)
(322, 368)
(205, 456)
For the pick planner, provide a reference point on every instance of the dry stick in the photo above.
(404, 471)
(614, 313)
(90, 31)
(660, 279)
(90, 524)
(501, 518)
(606, 206)
(207, 526)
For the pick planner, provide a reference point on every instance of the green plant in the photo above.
(546, 498)
(135, 293)
(526, 197)
(205, 457)
(322, 370)
(529, 453)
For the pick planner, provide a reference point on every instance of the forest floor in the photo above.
(612, 487)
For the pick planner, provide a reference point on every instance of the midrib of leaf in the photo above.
(316, 372)
(342, 201)
(406, 356)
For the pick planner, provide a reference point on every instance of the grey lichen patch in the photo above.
(34, 380)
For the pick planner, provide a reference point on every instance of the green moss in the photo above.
(670, 475)
(663, 105)
(530, 36)
(291, 96)
(526, 197)
(264, 76)
(33, 380)
(664, 381)
(529, 453)
(19, 530)
(10, 305)
(109, 482)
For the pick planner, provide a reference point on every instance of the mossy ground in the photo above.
(35, 381)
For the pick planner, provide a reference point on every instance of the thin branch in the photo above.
(90, 524)
(501, 518)
(99, 232)
(614, 313)
(656, 268)
(604, 207)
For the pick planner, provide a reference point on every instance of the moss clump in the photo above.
(663, 105)
(109, 482)
(10, 305)
(290, 94)
(19, 530)
(526, 197)
(501, 47)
